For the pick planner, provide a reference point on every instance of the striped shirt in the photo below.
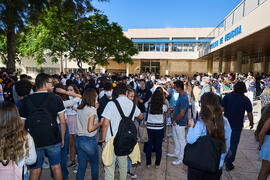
(156, 121)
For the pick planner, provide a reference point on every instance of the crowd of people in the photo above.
(62, 119)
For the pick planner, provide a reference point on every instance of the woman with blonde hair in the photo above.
(16, 145)
(211, 122)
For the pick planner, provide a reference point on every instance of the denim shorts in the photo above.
(265, 150)
(53, 152)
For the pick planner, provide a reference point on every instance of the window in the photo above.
(152, 47)
(152, 66)
(146, 47)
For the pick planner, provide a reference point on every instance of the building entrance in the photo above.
(151, 66)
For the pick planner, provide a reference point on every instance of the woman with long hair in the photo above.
(226, 87)
(16, 145)
(262, 134)
(87, 125)
(155, 126)
(72, 123)
(212, 122)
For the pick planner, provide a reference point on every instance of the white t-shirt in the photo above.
(111, 112)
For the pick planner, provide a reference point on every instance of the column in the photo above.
(127, 69)
(239, 62)
(103, 70)
(250, 64)
(210, 65)
(265, 64)
(220, 59)
(167, 68)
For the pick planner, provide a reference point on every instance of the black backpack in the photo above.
(41, 125)
(126, 137)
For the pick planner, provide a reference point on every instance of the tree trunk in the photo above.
(11, 43)
(79, 64)
(94, 67)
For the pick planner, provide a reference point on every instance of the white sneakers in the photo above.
(177, 162)
(171, 155)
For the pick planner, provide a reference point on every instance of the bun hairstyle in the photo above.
(212, 116)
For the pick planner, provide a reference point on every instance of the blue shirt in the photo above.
(200, 130)
(174, 98)
(181, 104)
(235, 105)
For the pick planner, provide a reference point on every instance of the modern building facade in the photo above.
(240, 43)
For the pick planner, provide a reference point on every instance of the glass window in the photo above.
(146, 47)
(166, 47)
(140, 47)
(158, 47)
(152, 47)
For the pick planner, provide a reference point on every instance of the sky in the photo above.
(135, 14)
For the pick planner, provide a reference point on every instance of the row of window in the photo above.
(156, 47)
(164, 47)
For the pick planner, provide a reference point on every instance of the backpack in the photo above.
(126, 137)
(10, 171)
(41, 125)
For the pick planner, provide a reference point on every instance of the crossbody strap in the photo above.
(119, 108)
(111, 129)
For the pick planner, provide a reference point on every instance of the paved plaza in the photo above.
(247, 163)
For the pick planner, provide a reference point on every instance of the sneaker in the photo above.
(71, 164)
(76, 168)
(157, 166)
(148, 166)
(177, 162)
(169, 134)
(131, 175)
(171, 155)
(45, 164)
(229, 168)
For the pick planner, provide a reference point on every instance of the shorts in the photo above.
(72, 123)
(53, 152)
(265, 150)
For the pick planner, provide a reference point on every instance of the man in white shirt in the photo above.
(112, 115)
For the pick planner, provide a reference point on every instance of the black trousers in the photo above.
(194, 174)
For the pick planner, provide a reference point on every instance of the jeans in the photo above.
(87, 149)
(154, 137)
(53, 152)
(235, 138)
(179, 141)
(64, 154)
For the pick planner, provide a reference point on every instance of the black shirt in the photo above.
(145, 95)
(54, 105)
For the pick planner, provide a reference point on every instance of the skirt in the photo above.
(265, 150)
(72, 123)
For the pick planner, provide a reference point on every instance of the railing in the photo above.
(240, 11)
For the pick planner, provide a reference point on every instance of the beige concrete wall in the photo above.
(215, 66)
(135, 68)
(188, 67)
(168, 32)
(251, 23)
(258, 67)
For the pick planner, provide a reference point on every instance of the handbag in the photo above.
(204, 154)
(142, 130)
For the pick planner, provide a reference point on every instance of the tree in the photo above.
(101, 41)
(3, 48)
(15, 14)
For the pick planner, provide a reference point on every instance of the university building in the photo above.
(239, 44)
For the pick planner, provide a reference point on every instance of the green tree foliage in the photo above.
(15, 14)
(97, 40)
(91, 40)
